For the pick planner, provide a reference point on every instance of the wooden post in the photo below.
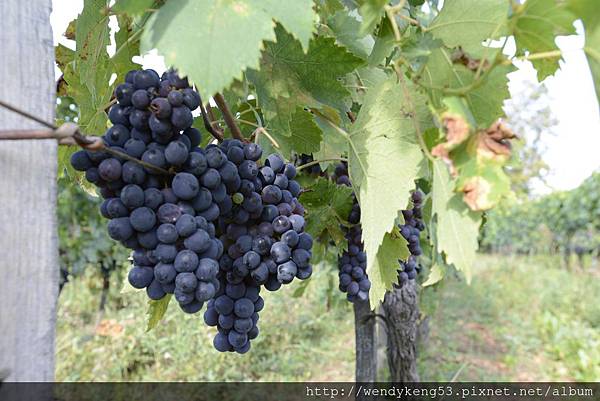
(28, 235)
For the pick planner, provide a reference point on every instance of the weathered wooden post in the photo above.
(28, 235)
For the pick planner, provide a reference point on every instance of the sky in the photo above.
(571, 152)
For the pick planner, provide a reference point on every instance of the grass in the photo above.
(520, 319)
(301, 339)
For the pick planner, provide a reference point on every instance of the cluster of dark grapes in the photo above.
(352, 263)
(411, 231)
(353, 278)
(265, 245)
(314, 169)
(205, 224)
(165, 218)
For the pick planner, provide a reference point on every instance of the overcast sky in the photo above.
(572, 153)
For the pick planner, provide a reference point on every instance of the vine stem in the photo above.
(218, 135)
(409, 19)
(262, 130)
(391, 12)
(228, 116)
(312, 163)
(538, 56)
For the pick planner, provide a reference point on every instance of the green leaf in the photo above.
(63, 55)
(536, 25)
(298, 17)
(371, 12)
(228, 35)
(383, 272)
(328, 206)
(156, 311)
(305, 134)
(127, 47)
(592, 52)
(384, 158)
(457, 225)
(589, 12)
(468, 23)
(333, 144)
(436, 274)
(418, 48)
(363, 79)
(298, 135)
(87, 76)
(309, 79)
(326, 8)
(301, 289)
(132, 7)
(485, 101)
(346, 29)
(384, 43)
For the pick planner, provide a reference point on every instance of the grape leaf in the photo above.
(588, 11)
(467, 24)
(301, 288)
(305, 134)
(384, 269)
(536, 24)
(346, 29)
(298, 135)
(418, 47)
(362, 80)
(156, 311)
(127, 48)
(436, 274)
(88, 74)
(384, 157)
(298, 17)
(485, 101)
(333, 144)
(592, 46)
(309, 79)
(228, 35)
(384, 43)
(457, 226)
(328, 206)
(132, 7)
(63, 56)
(371, 12)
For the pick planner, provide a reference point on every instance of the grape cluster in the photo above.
(303, 159)
(411, 231)
(265, 245)
(211, 224)
(165, 218)
(352, 267)
(352, 263)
